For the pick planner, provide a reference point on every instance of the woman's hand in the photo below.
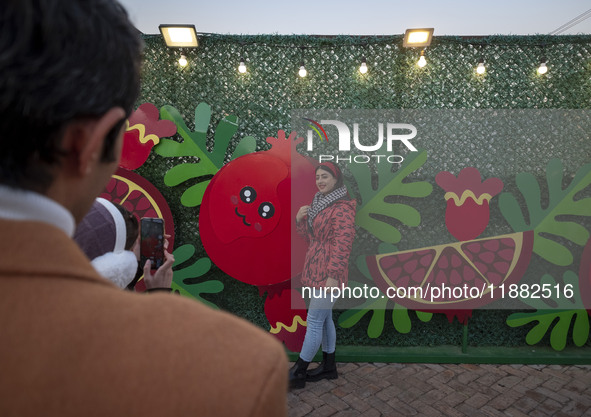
(331, 282)
(162, 278)
(302, 212)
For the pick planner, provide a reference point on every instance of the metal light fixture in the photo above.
(179, 36)
(417, 37)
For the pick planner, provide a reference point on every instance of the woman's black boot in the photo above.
(297, 374)
(326, 370)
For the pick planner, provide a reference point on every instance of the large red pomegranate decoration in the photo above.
(248, 214)
(247, 223)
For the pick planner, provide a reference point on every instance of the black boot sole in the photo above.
(324, 375)
(297, 384)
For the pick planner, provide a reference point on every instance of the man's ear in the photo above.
(89, 146)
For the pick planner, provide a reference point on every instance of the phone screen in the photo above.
(152, 241)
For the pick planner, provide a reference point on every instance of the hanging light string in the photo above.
(242, 65)
(363, 66)
(422, 62)
(480, 68)
(302, 72)
(396, 41)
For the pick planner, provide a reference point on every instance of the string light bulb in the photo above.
(183, 61)
(242, 66)
(542, 69)
(422, 60)
(363, 66)
(302, 72)
(480, 69)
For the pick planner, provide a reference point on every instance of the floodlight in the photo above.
(417, 37)
(179, 36)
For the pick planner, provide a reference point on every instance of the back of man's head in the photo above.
(60, 60)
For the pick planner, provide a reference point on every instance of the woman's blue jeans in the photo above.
(320, 327)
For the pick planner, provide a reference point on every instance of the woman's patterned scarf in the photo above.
(322, 201)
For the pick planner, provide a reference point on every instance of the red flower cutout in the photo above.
(468, 198)
(144, 130)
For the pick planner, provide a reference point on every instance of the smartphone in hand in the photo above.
(152, 241)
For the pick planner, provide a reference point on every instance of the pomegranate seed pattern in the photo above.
(484, 263)
(140, 197)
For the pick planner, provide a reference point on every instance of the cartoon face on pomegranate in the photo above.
(247, 216)
(247, 203)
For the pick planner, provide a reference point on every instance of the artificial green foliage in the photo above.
(543, 220)
(390, 183)
(189, 280)
(565, 312)
(195, 144)
(264, 97)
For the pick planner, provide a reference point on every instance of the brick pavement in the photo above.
(378, 389)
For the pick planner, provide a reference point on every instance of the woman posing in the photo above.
(328, 226)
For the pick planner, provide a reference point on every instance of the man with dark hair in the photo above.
(73, 344)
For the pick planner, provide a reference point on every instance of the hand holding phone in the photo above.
(152, 241)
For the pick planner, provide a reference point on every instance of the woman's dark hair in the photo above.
(60, 61)
(333, 170)
(132, 227)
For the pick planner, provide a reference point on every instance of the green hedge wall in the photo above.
(263, 98)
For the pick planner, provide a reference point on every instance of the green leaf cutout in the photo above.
(559, 334)
(377, 307)
(544, 220)
(185, 279)
(389, 184)
(568, 312)
(195, 144)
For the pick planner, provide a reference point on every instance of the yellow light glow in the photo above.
(242, 67)
(417, 37)
(179, 36)
(363, 66)
(480, 69)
